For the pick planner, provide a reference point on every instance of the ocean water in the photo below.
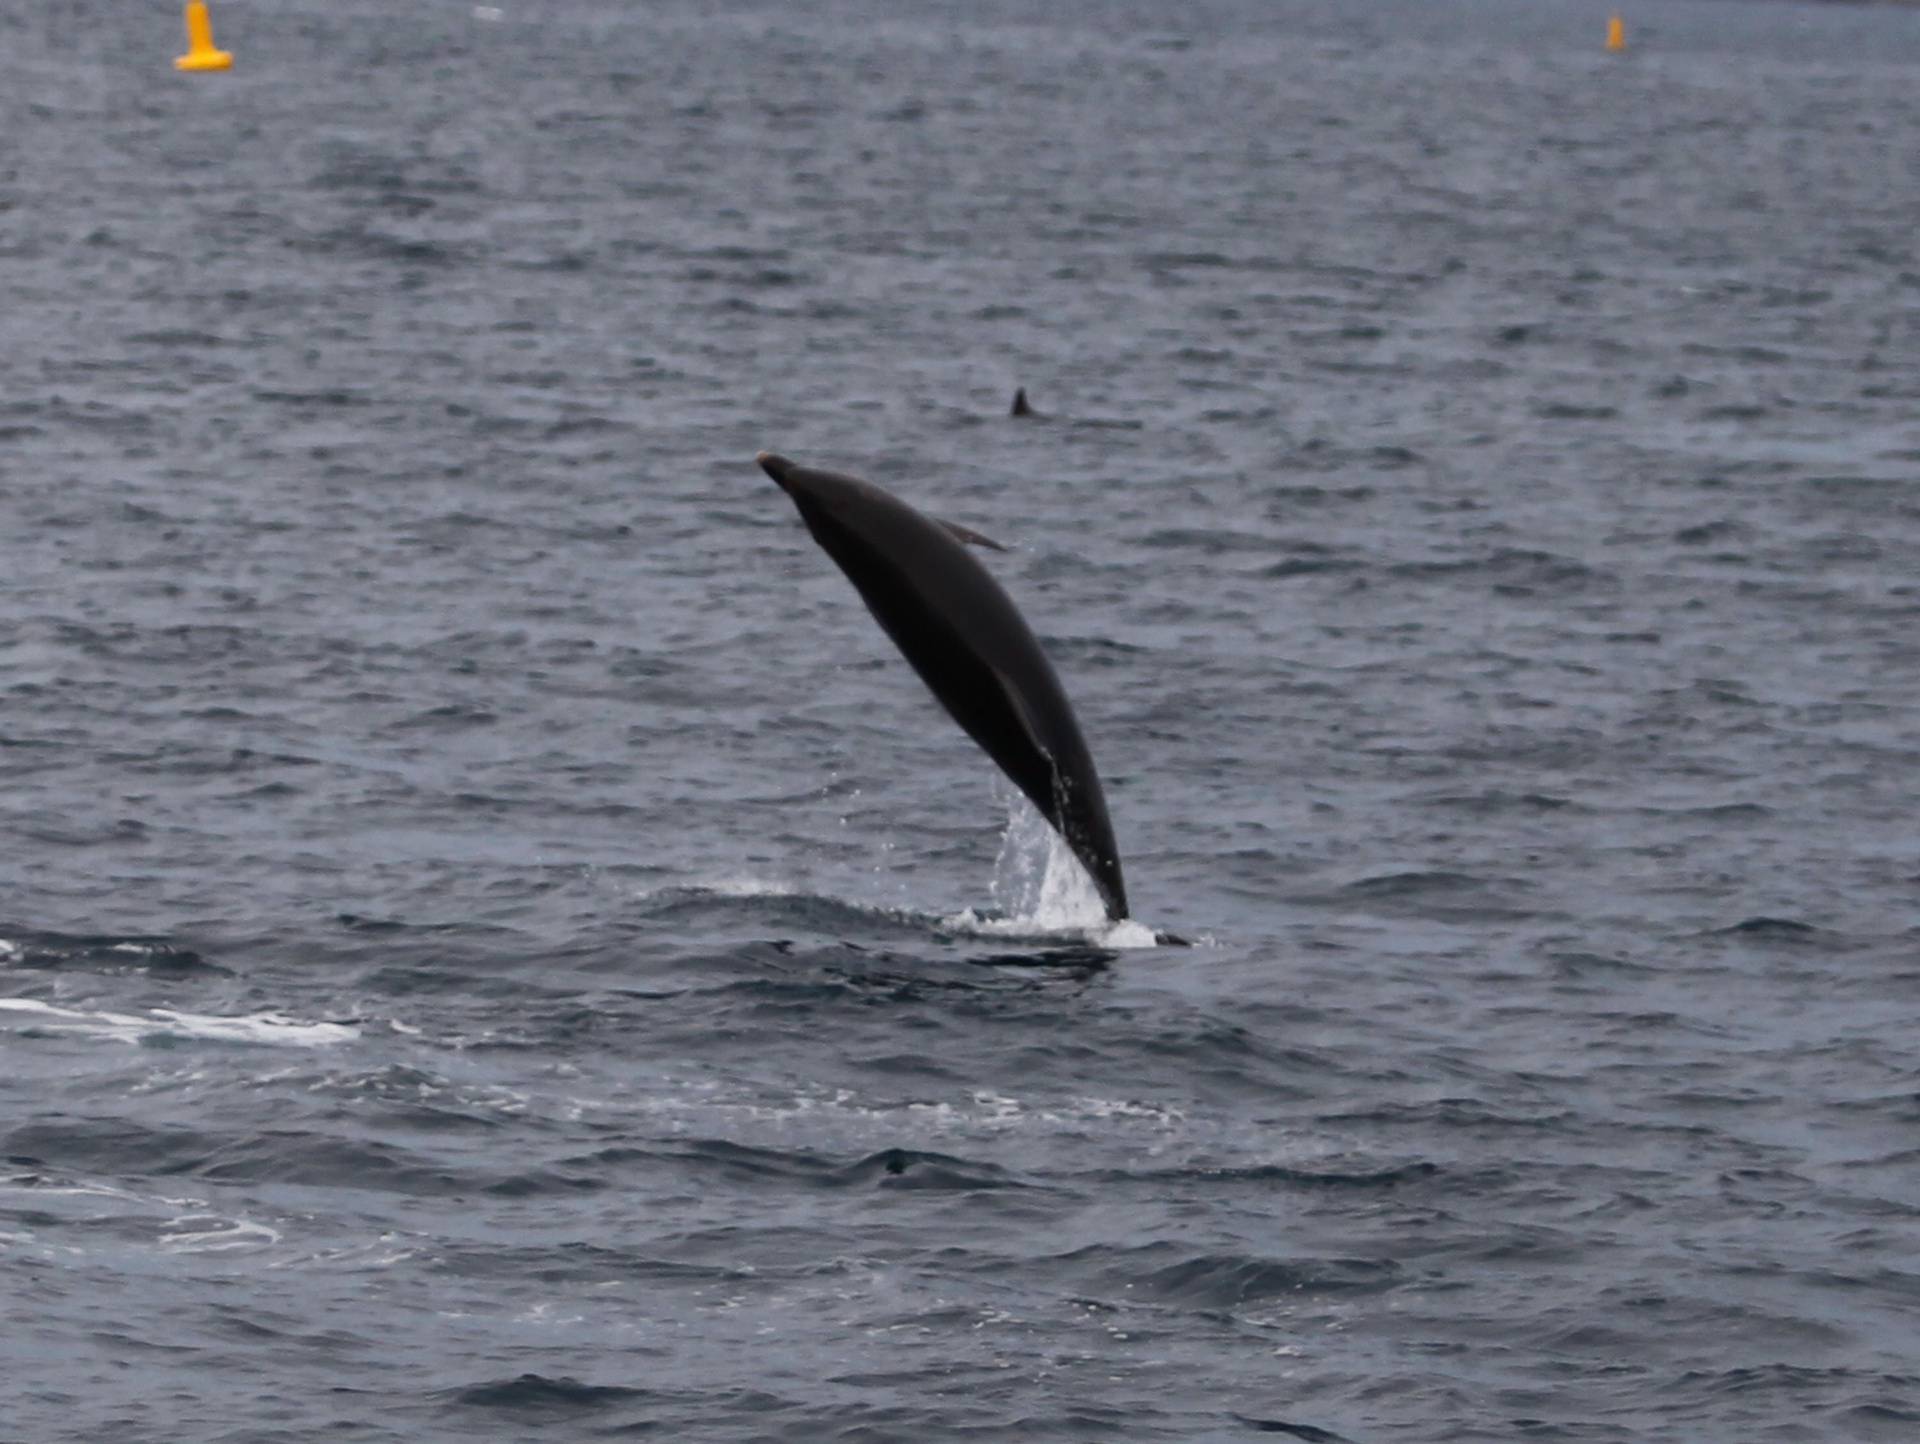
(497, 945)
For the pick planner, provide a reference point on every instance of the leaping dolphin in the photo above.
(970, 645)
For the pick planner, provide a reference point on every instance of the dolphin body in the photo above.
(970, 645)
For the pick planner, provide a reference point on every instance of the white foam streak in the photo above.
(160, 1024)
(176, 1225)
(206, 1233)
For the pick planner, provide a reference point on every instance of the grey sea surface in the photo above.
(498, 945)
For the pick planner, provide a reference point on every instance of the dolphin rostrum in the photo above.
(970, 645)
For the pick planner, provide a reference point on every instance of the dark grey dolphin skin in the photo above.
(970, 645)
(1023, 409)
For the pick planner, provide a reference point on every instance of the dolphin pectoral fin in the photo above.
(968, 534)
(1036, 771)
(1017, 705)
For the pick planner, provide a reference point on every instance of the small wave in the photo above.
(1509, 567)
(1225, 1280)
(1125, 934)
(1046, 924)
(1709, 532)
(1211, 541)
(724, 888)
(1183, 260)
(102, 954)
(1279, 1173)
(840, 1115)
(1309, 1432)
(1432, 893)
(890, 1167)
(1495, 801)
(1743, 812)
(1781, 929)
(1571, 411)
(1577, 965)
(907, 1168)
(795, 906)
(1414, 884)
(160, 1026)
(1173, 1275)
(536, 1396)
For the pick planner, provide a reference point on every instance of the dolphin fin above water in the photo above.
(969, 535)
(964, 636)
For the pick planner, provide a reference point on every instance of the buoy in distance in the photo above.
(1616, 34)
(200, 52)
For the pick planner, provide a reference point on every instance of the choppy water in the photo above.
(497, 945)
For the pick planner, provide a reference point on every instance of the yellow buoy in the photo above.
(1616, 34)
(200, 52)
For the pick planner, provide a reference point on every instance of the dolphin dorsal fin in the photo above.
(1020, 407)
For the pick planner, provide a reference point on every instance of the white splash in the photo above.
(748, 887)
(1039, 887)
(162, 1024)
(721, 887)
(1036, 879)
